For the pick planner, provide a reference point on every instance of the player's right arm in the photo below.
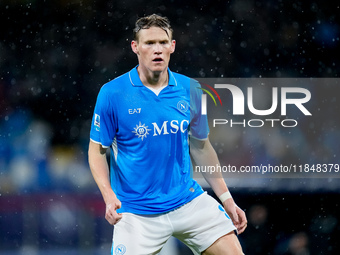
(100, 171)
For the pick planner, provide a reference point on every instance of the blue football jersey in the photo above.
(149, 139)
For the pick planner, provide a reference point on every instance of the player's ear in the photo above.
(134, 45)
(173, 45)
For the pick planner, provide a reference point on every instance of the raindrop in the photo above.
(243, 44)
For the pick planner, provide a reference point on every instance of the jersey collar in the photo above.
(135, 80)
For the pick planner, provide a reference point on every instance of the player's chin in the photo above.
(159, 68)
(161, 63)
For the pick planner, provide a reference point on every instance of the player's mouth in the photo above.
(157, 60)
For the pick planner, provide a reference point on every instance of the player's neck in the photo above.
(155, 80)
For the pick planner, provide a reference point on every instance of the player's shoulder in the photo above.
(180, 77)
(185, 81)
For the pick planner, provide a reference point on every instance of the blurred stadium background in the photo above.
(55, 56)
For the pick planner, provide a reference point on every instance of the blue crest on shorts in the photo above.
(120, 249)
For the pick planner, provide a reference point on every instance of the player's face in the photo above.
(153, 49)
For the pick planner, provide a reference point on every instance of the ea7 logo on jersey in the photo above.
(133, 111)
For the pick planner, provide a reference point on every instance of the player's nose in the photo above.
(158, 48)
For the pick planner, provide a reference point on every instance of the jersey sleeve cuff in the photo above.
(200, 139)
(104, 146)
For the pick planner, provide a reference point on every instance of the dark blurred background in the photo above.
(55, 56)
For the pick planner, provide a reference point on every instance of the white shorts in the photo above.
(198, 224)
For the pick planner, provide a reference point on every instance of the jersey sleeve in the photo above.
(103, 126)
(199, 127)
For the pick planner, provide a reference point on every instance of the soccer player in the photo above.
(146, 117)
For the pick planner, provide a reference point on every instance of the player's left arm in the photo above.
(203, 154)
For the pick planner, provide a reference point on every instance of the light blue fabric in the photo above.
(148, 135)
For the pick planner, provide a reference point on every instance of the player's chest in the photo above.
(145, 103)
(167, 112)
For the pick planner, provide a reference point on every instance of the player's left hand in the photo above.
(236, 214)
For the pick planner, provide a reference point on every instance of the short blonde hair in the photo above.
(153, 20)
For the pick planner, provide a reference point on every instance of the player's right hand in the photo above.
(236, 214)
(111, 214)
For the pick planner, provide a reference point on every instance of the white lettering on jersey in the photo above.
(183, 128)
(158, 130)
(174, 127)
(136, 110)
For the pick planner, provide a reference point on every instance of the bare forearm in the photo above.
(100, 171)
(204, 155)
